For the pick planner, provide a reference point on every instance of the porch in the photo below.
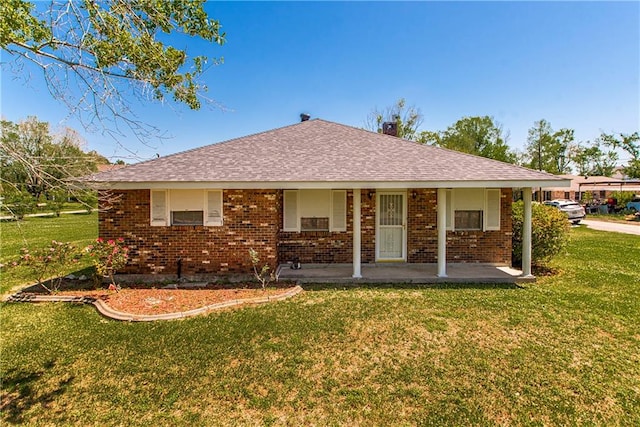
(404, 273)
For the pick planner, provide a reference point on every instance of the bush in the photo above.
(49, 262)
(549, 232)
(19, 204)
(108, 257)
(623, 197)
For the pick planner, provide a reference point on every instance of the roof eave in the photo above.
(245, 185)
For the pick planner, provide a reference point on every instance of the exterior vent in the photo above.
(390, 128)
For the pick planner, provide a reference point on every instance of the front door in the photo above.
(391, 227)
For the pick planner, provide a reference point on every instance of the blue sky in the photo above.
(574, 64)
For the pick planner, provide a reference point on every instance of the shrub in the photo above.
(262, 274)
(623, 197)
(549, 232)
(50, 262)
(19, 204)
(108, 257)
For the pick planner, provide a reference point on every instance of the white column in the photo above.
(442, 232)
(357, 234)
(526, 234)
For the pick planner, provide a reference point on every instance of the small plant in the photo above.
(263, 274)
(50, 261)
(108, 257)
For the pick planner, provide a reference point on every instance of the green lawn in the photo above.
(563, 351)
(80, 229)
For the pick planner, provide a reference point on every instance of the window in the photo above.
(186, 217)
(315, 210)
(159, 207)
(186, 207)
(314, 224)
(473, 209)
(567, 195)
(468, 220)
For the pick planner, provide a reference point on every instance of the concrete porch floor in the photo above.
(403, 273)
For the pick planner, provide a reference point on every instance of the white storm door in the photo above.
(391, 230)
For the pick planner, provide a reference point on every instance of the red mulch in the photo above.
(150, 300)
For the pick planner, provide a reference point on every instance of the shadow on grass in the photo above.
(21, 391)
(346, 286)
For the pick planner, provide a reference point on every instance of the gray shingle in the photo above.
(318, 150)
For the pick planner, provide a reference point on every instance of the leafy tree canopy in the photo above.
(549, 150)
(37, 162)
(108, 49)
(407, 118)
(594, 159)
(630, 143)
(479, 136)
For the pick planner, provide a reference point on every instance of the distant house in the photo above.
(315, 192)
(589, 188)
(109, 167)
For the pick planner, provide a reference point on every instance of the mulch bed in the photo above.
(149, 299)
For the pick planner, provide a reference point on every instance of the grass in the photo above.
(37, 232)
(563, 351)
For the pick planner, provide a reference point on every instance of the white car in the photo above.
(574, 211)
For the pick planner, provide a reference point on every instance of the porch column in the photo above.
(526, 234)
(357, 234)
(442, 232)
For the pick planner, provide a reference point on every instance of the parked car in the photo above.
(634, 204)
(574, 211)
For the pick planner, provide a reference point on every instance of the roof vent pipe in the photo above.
(304, 117)
(390, 128)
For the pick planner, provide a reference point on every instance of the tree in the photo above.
(407, 118)
(548, 150)
(629, 143)
(37, 162)
(594, 159)
(108, 50)
(479, 136)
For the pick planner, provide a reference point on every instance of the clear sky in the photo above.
(575, 64)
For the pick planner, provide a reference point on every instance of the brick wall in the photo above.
(488, 246)
(462, 246)
(319, 247)
(251, 220)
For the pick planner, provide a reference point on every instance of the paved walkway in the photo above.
(613, 226)
(7, 217)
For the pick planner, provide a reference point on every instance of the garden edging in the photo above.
(104, 309)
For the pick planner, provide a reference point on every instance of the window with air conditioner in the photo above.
(186, 207)
(473, 209)
(315, 210)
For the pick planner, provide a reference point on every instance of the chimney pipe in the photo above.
(304, 117)
(390, 128)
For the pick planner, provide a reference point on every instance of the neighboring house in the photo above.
(109, 167)
(589, 188)
(315, 192)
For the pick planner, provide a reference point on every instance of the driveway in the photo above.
(613, 226)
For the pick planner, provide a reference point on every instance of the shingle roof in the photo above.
(319, 150)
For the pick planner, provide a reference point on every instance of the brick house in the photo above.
(590, 188)
(315, 192)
